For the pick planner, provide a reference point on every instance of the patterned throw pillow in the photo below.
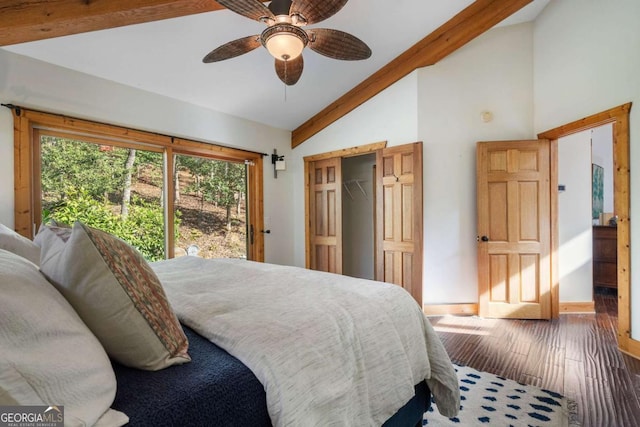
(117, 294)
(48, 356)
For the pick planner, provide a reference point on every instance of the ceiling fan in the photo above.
(285, 36)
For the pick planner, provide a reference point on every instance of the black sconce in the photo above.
(278, 163)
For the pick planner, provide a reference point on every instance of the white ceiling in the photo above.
(165, 57)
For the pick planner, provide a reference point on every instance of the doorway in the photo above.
(585, 205)
(388, 216)
(619, 118)
(358, 216)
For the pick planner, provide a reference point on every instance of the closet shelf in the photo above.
(358, 183)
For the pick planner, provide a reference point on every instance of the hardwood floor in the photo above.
(575, 355)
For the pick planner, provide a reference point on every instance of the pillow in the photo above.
(18, 244)
(51, 240)
(47, 355)
(119, 297)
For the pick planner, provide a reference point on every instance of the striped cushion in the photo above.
(119, 297)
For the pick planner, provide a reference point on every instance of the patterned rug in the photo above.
(490, 400)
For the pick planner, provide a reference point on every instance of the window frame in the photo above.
(29, 124)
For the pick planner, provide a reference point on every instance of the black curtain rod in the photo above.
(13, 107)
(19, 109)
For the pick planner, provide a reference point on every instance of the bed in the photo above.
(216, 389)
(196, 342)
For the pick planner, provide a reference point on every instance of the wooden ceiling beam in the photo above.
(30, 20)
(477, 18)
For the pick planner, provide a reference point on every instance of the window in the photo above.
(116, 179)
(210, 202)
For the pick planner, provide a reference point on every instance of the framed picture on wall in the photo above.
(597, 190)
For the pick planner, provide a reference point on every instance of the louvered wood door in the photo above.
(514, 229)
(325, 205)
(399, 217)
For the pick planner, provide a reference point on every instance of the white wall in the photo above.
(585, 61)
(6, 168)
(441, 106)
(574, 218)
(390, 116)
(492, 73)
(42, 86)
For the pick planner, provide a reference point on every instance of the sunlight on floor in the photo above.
(459, 325)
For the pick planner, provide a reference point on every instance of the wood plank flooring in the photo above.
(575, 355)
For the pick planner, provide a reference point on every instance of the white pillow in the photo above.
(47, 354)
(51, 240)
(119, 297)
(18, 244)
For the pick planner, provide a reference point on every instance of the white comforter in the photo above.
(329, 349)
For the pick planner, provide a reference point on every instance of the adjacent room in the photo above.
(437, 191)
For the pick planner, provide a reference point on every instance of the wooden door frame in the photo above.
(619, 118)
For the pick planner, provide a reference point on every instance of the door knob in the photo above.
(484, 238)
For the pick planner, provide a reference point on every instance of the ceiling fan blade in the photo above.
(338, 44)
(290, 71)
(316, 11)
(232, 49)
(252, 9)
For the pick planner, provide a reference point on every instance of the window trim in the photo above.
(29, 123)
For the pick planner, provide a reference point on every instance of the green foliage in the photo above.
(152, 165)
(78, 205)
(91, 183)
(216, 181)
(96, 168)
(99, 169)
(143, 228)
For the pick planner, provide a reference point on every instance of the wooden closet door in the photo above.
(399, 217)
(514, 229)
(325, 216)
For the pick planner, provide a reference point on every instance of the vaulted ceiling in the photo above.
(158, 46)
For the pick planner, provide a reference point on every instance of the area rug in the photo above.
(490, 400)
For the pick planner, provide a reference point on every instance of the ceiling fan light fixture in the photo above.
(284, 41)
(284, 46)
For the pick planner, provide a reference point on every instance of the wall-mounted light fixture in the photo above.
(278, 163)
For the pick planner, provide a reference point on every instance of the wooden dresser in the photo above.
(605, 256)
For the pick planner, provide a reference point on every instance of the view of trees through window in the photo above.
(120, 190)
(210, 196)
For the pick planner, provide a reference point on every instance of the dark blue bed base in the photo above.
(214, 389)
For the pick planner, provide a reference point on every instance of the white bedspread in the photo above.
(329, 349)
